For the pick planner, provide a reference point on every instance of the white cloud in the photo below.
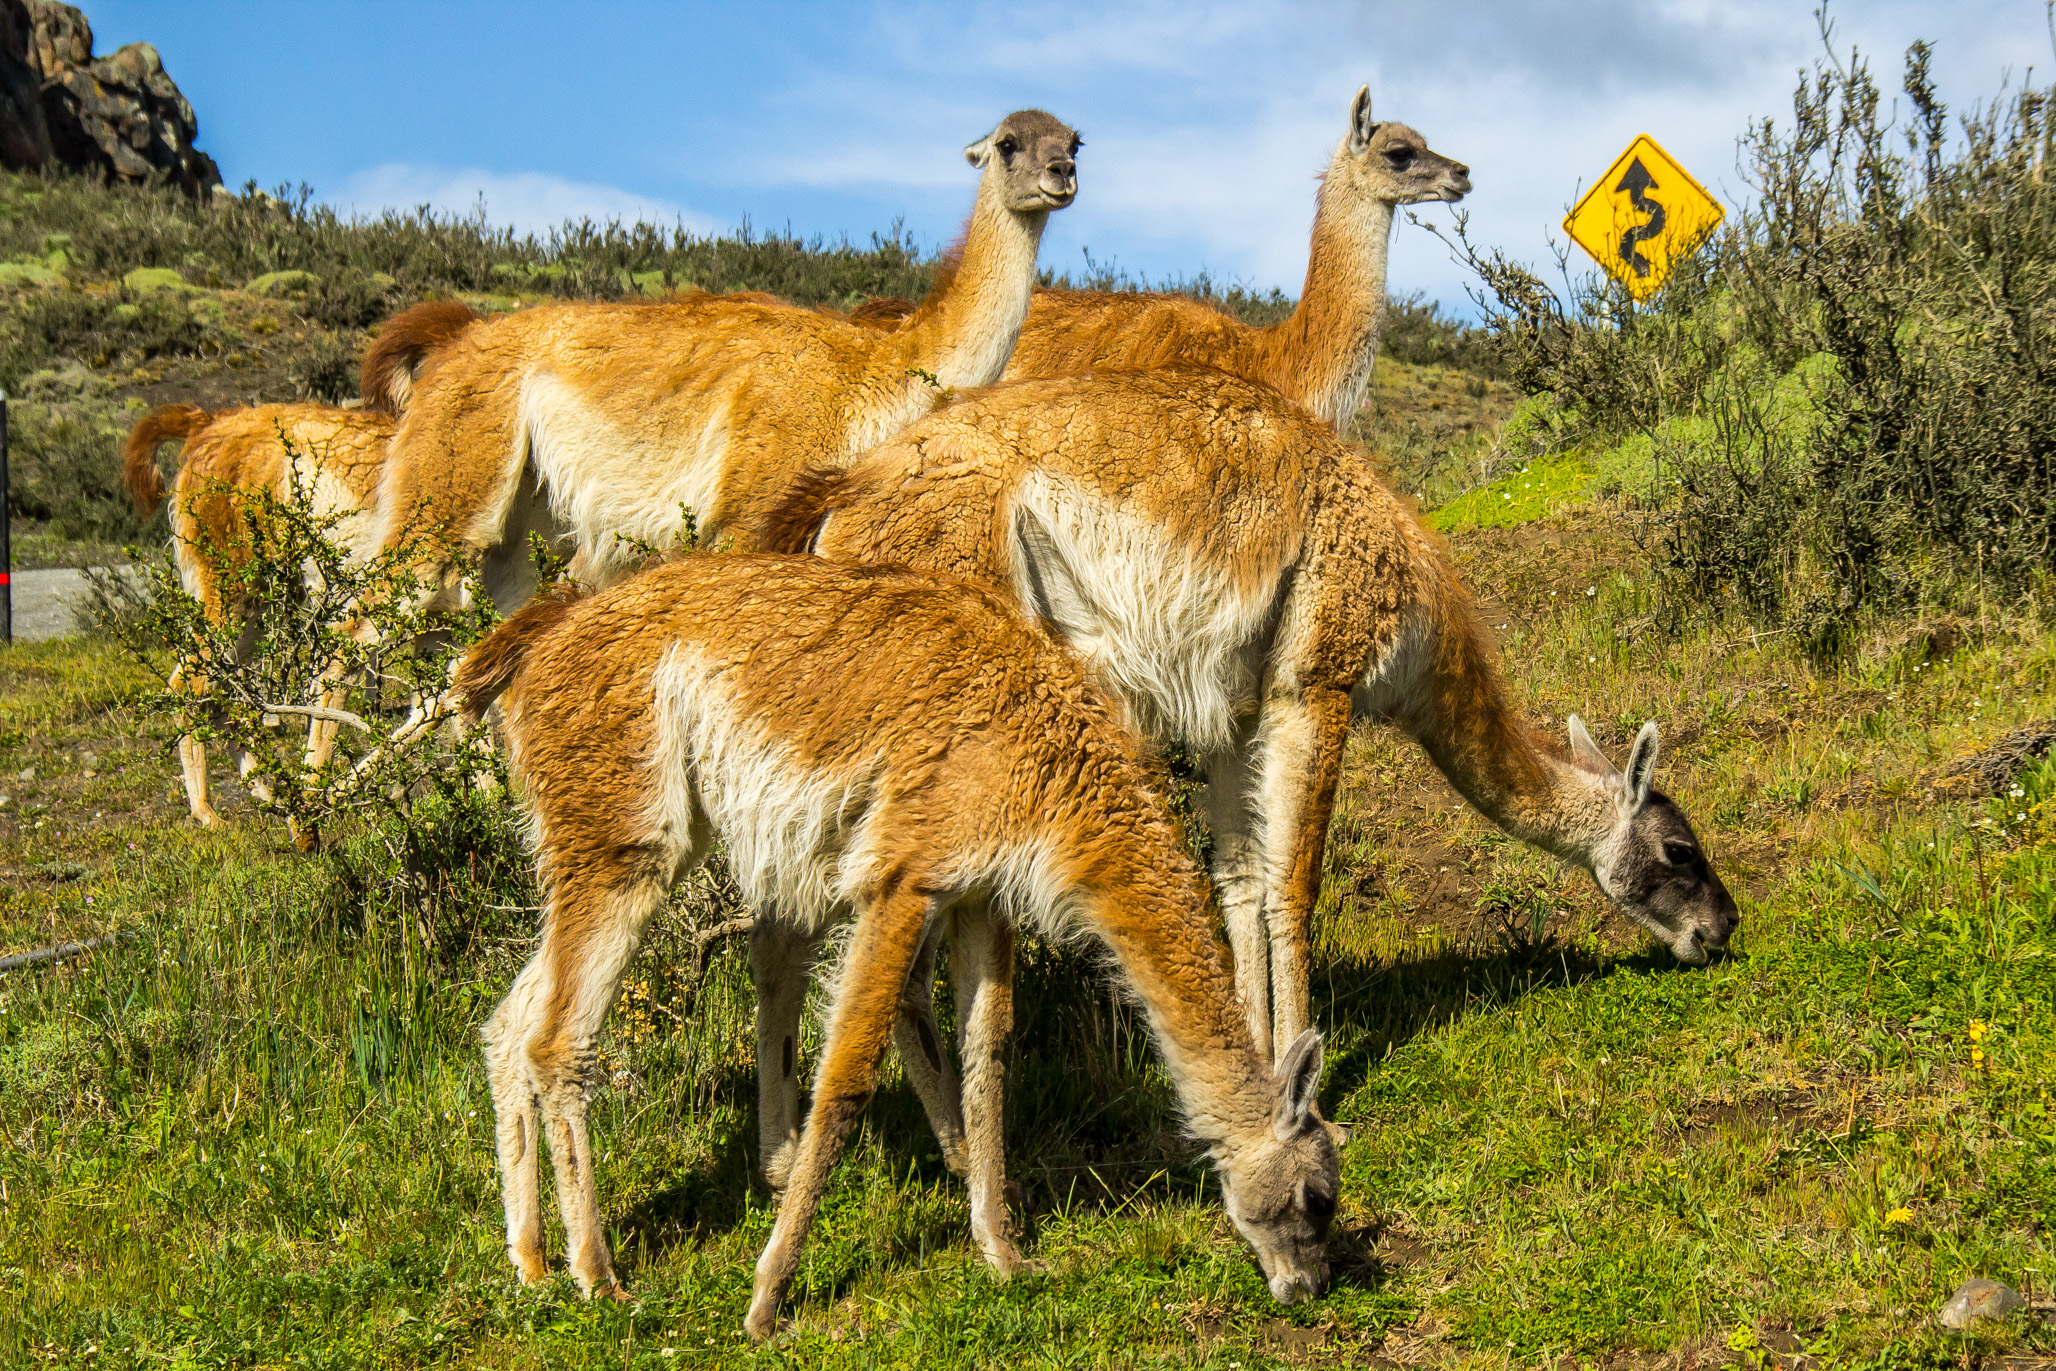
(528, 202)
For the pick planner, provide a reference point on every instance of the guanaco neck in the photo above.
(1462, 717)
(963, 334)
(1323, 353)
(1156, 922)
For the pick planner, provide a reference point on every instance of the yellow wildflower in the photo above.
(1900, 1215)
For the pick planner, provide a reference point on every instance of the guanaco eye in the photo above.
(1400, 158)
(1680, 854)
(1319, 1205)
(1076, 143)
(1007, 147)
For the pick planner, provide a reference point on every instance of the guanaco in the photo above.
(607, 421)
(1242, 580)
(896, 750)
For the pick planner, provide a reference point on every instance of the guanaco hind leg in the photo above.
(888, 937)
(781, 956)
(1239, 877)
(927, 1059)
(192, 753)
(1301, 761)
(541, 1049)
(981, 958)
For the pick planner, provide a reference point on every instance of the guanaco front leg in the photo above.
(1302, 744)
(888, 937)
(321, 744)
(981, 959)
(1239, 877)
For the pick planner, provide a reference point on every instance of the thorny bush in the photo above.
(301, 612)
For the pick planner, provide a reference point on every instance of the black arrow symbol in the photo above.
(1636, 183)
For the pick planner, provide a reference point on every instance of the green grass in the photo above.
(257, 1133)
(1534, 491)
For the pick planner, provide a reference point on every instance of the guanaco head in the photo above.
(1035, 157)
(1393, 163)
(1281, 1193)
(1651, 865)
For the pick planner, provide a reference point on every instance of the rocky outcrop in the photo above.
(121, 117)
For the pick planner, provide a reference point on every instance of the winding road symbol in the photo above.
(1638, 183)
(1643, 217)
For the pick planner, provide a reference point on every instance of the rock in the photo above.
(61, 108)
(89, 758)
(1979, 1299)
(27, 773)
(277, 283)
(150, 280)
(6, 800)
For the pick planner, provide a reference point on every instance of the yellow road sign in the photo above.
(1642, 216)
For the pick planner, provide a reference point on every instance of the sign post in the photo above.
(1642, 217)
(6, 534)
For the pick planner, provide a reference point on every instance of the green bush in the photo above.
(1852, 387)
(232, 240)
(46, 326)
(325, 367)
(65, 460)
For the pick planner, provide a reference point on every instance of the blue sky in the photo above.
(1205, 123)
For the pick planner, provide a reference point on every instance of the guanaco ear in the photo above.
(1641, 769)
(980, 152)
(1586, 753)
(1046, 578)
(1299, 1081)
(1361, 126)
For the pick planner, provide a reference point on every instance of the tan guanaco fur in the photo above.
(1245, 583)
(888, 748)
(336, 454)
(1322, 355)
(613, 417)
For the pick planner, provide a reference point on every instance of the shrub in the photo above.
(325, 367)
(1416, 331)
(97, 330)
(1902, 285)
(65, 459)
(303, 612)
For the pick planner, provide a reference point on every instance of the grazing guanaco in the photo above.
(874, 745)
(1244, 582)
(606, 420)
(1322, 355)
